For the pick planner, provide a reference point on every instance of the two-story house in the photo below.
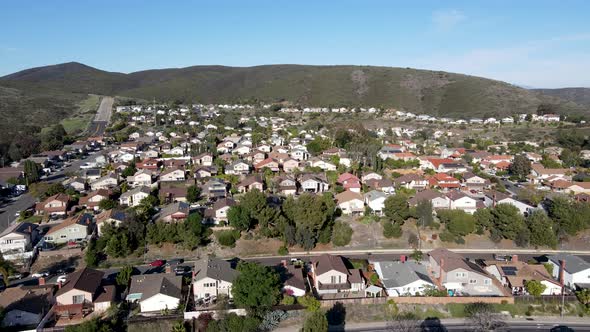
(140, 178)
(460, 276)
(54, 205)
(83, 293)
(134, 197)
(212, 277)
(74, 228)
(314, 183)
(18, 238)
(351, 203)
(330, 275)
(93, 199)
(173, 174)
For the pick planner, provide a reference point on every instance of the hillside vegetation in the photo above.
(577, 95)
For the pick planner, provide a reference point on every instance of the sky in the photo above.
(544, 44)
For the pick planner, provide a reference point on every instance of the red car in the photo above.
(157, 263)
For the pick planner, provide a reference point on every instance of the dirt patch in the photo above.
(53, 263)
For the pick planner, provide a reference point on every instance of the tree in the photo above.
(534, 287)
(239, 218)
(396, 208)
(315, 321)
(424, 213)
(520, 167)
(91, 257)
(310, 303)
(6, 268)
(541, 230)
(584, 297)
(31, 170)
(482, 316)
(193, 194)
(124, 276)
(256, 288)
(107, 204)
(391, 230)
(318, 145)
(178, 327)
(233, 322)
(341, 234)
(458, 222)
(507, 220)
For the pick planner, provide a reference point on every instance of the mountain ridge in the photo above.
(417, 90)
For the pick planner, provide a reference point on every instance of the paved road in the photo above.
(105, 109)
(509, 324)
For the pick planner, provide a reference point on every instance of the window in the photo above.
(335, 279)
(77, 299)
(460, 274)
(487, 282)
(473, 281)
(63, 236)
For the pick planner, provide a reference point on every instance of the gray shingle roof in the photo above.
(398, 274)
(573, 264)
(215, 268)
(152, 284)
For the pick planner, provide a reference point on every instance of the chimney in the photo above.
(41, 281)
(30, 229)
(59, 285)
(441, 271)
(494, 200)
(403, 258)
(168, 268)
(561, 272)
(284, 262)
(515, 258)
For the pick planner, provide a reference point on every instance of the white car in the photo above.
(62, 279)
(40, 274)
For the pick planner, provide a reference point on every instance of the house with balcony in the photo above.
(83, 293)
(18, 238)
(351, 203)
(212, 277)
(330, 275)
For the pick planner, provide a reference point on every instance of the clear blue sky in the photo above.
(534, 43)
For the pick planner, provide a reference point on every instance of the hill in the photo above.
(420, 91)
(577, 95)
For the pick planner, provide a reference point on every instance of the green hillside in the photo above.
(420, 91)
(577, 95)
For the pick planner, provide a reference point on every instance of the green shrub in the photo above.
(227, 238)
(392, 230)
(288, 300)
(283, 251)
(446, 236)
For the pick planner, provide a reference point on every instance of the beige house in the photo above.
(56, 205)
(330, 275)
(351, 203)
(173, 174)
(83, 293)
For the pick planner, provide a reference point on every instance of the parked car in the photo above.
(16, 276)
(40, 274)
(62, 279)
(157, 263)
(503, 258)
(181, 269)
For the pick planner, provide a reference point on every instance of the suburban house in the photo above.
(212, 277)
(55, 205)
(106, 182)
(444, 181)
(237, 168)
(218, 212)
(134, 197)
(376, 201)
(493, 198)
(25, 306)
(460, 201)
(293, 280)
(18, 238)
(290, 165)
(539, 173)
(109, 217)
(403, 278)
(330, 275)
(460, 276)
(350, 203)
(473, 182)
(170, 194)
(286, 185)
(514, 275)
(214, 188)
(74, 228)
(269, 163)
(437, 199)
(140, 178)
(204, 159)
(570, 270)
(250, 183)
(83, 293)
(155, 292)
(92, 200)
(174, 212)
(173, 174)
(411, 181)
(315, 183)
